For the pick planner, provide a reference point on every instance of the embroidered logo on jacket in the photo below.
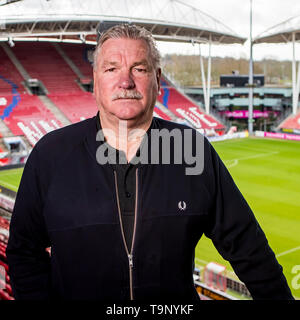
(181, 205)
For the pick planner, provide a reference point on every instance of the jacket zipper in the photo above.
(129, 254)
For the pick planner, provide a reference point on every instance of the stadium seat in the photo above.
(10, 78)
(292, 122)
(79, 54)
(76, 107)
(26, 115)
(160, 114)
(184, 108)
(43, 62)
(5, 287)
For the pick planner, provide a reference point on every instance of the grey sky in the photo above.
(235, 14)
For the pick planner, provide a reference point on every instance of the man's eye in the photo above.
(142, 70)
(110, 69)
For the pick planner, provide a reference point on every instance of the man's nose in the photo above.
(126, 80)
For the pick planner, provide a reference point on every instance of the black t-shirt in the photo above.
(126, 182)
(126, 190)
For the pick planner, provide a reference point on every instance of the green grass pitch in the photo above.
(267, 173)
(11, 178)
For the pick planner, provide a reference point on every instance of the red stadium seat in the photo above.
(184, 108)
(160, 114)
(25, 114)
(292, 122)
(30, 117)
(43, 62)
(78, 55)
(77, 106)
(9, 76)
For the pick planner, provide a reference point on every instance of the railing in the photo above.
(281, 118)
(221, 119)
(5, 287)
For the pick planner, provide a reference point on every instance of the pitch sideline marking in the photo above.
(287, 252)
(201, 261)
(8, 185)
(11, 173)
(236, 161)
(253, 149)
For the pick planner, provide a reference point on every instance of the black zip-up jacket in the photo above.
(68, 201)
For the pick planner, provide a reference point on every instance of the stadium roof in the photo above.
(169, 20)
(281, 33)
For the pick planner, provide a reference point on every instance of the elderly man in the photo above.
(121, 227)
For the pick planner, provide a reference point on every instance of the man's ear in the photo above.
(158, 76)
(94, 81)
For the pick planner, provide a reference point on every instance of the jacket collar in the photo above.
(94, 126)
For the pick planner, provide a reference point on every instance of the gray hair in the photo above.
(130, 32)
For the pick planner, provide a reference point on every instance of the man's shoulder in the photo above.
(66, 137)
(170, 125)
(187, 133)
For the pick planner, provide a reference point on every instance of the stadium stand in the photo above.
(26, 115)
(79, 55)
(43, 62)
(82, 105)
(291, 123)
(184, 108)
(3, 161)
(5, 287)
(10, 78)
(157, 112)
(76, 106)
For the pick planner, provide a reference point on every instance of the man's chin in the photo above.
(128, 117)
(131, 113)
(128, 114)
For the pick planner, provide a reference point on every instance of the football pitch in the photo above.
(11, 178)
(267, 172)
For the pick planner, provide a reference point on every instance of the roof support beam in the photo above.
(250, 94)
(176, 32)
(208, 76)
(13, 28)
(284, 38)
(32, 28)
(152, 28)
(53, 26)
(203, 77)
(66, 26)
(206, 84)
(221, 38)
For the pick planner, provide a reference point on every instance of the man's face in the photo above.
(125, 82)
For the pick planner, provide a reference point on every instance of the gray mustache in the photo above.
(127, 94)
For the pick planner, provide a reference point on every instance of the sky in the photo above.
(235, 14)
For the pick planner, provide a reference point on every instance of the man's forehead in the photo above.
(114, 48)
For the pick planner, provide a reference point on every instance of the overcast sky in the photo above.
(235, 14)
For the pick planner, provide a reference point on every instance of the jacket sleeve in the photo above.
(240, 240)
(28, 261)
